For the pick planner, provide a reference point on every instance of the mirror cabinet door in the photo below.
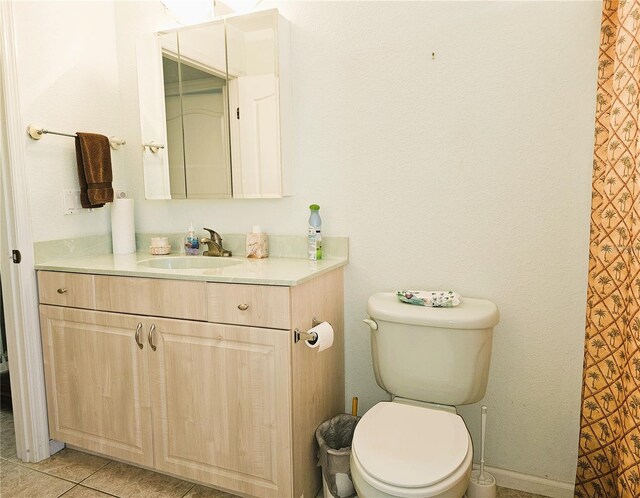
(214, 97)
(254, 104)
(153, 131)
(204, 111)
(174, 147)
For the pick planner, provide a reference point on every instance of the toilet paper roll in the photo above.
(123, 231)
(325, 336)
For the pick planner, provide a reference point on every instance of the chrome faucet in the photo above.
(214, 242)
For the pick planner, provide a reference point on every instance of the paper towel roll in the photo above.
(325, 336)
(123, 230)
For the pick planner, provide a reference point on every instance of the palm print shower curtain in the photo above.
(609, 448)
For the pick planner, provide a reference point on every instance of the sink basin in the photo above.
(187, 262)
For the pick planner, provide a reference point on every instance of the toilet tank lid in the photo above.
(471, 313)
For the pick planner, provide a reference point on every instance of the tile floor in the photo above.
(73, 474)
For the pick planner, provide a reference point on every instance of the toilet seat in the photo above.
(403, 447)
(453, 486)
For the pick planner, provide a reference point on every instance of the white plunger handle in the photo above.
(484, 428)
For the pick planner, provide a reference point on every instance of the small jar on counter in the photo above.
(160, 246)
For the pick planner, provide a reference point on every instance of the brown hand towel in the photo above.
(93, 155)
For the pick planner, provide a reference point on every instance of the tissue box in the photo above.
(257, 245)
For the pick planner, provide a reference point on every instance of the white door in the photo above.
(174, 151)
(206, 146)
(255, 136)
(19, 282)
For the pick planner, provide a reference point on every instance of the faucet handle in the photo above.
(215, 236)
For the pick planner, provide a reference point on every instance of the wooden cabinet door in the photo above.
(221, 405)
(97, 382)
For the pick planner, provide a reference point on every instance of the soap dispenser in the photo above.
(191, 242)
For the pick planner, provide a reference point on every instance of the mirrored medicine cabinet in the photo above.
(215, 109)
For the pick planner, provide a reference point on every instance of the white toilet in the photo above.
(429, 360)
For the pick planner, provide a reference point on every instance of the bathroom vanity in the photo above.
(195, 373)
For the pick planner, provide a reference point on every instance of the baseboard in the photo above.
(531, 484)
(523, 482)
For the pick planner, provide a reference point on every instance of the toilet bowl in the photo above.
(400, 450)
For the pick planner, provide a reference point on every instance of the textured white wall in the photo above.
(469, 172)
(68, 78)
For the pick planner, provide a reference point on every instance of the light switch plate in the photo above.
(71, 202)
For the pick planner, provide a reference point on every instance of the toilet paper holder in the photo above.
(299, 335)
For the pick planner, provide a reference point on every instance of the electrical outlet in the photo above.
(71, 202)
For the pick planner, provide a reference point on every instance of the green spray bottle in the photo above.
(314, 239)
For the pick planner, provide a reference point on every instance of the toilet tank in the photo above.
(437, 355)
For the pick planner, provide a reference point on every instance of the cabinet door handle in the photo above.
(150, 337)
(62, 290)
(243, 307)
(137, 336)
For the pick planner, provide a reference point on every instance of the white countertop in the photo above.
(268, 271)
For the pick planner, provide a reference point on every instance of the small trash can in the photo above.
(334, 438)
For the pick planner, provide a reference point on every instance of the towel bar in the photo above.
(153, 147)
(36, 132)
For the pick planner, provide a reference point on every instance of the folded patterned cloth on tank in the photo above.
(435, 299)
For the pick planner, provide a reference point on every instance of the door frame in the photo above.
(19, 280)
